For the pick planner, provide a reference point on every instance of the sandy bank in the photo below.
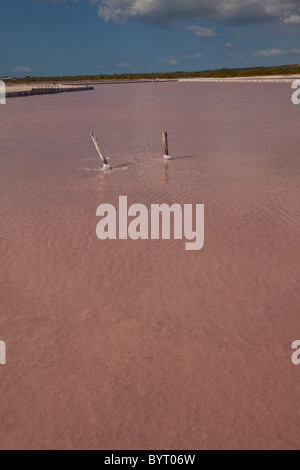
(264, 79)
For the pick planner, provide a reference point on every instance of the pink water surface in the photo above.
(142, 344)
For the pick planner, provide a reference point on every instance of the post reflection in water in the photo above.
(166, 173)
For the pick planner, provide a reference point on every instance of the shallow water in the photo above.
(140, 344)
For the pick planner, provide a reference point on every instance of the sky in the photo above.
(91, 37)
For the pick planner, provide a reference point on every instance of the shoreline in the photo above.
(13, 91)
(39, 88)
(256, 79)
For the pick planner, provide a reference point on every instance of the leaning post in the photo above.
(104, 161)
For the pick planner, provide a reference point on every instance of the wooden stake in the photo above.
(165, 143)
(105, 163)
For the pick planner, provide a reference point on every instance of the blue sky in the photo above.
(79, 37)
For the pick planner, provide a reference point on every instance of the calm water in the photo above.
(141, 344)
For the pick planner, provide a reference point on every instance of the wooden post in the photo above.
(166, 147)
(165, 143)
(105, 163)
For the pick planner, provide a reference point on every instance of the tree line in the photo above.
(220, 73)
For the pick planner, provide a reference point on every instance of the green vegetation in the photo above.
(221, 73)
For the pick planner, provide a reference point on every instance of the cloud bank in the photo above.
(237, 12)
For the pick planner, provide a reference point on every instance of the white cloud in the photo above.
(201, 31)
(276, 52)
(124, 64)
(269, 53)
(170, 62)
(168, 11)
(293, 19)
(176, 60)
(23, 69)
(198, 55)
